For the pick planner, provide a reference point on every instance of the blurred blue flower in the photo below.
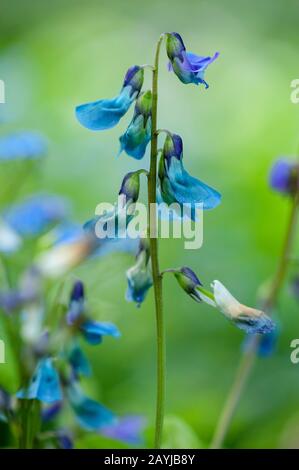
(139, 276)
(177, 186)
(188, 67)
(284, 176)
(22, 146)
(91, 330)
(134, 141)
(44, 385)
(127, 429)
(64, 439)
(90, 414)
(78, 361)
(267, 343)
(36, 214)
(104, 114)
(51, 411)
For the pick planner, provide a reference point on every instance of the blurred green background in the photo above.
(60, 53)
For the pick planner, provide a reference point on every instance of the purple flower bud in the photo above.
(284, 176)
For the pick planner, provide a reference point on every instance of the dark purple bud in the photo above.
(284, 176)
(130, 186)
(173, 147)
(174, 46)
(134, 79)
(77, 293)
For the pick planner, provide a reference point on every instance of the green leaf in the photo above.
(9, 373)
(177, 434)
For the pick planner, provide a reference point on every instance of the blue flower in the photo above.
(134, 141)
(64, 439)
(284, 176)
(36, 214)
(78, 361)
(189, 67)
(22, 146)
(50, 412)
(188, 280)
(177, 186)
(112, 223)
(93, 331)
(104, 114)
(266, 344)
(44, 385)
(90, 414)
(139, 276)
(127, 429)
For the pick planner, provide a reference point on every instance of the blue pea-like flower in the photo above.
(188, 67)
(22, 146)
(284, 176)
(44, 385)
(266, 345)
(51, 412)
(104, 114)
(93, 331)
(90, 414)
(177, 186)
(127, 429)
(139, 276)
(134, 141)
(78, 361)
(36, 214)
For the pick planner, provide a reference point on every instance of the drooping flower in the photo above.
(134, 141)
(188, 67)
(177, 186)
(139, 276)
(91, 330)
(104, 114)
(284, 176)
(112, 224)
(44, 385)
(90, 414)
(127, 429)
(22, 146)
(246, 318)
(36, 214)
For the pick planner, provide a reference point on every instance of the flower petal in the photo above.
(44, 385)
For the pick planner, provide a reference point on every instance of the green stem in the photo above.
(157, 278)
(248, 359)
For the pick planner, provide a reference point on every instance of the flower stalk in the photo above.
(248, 359)
(157, 278)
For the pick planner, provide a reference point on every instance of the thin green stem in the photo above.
(157, 278)
(248, 359)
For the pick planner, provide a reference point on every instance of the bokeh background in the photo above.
(60, 53)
